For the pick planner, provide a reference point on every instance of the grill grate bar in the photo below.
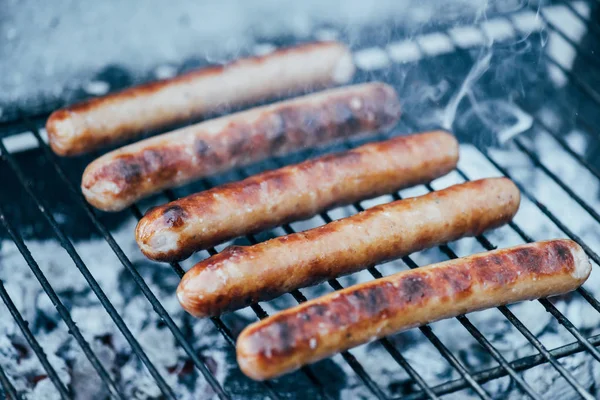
(511, 317)
(542, 349)
(60, 308)
(261, 313)
(68, 246)
(587, 296)
(589, 23)
(464, 54)
(544, 209)
(428, 332)
(33, 343)
(536, 161)
(217, 322)
(156, 305)
(549, 306)
(530, 196)
(521, 327)
(564, 321)
(520, 364)
(409, 262)
(562, 142)
(8, 390)
(474, 331)
(592, 57)
(582, 85)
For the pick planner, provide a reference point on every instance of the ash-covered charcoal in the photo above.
(478, 73)
(85, 382)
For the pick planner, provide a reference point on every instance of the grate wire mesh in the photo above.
(468, 379)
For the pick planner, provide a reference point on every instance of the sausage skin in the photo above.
(119, 178)
(361, 313)
(177, 229)
(97, 122)
(239, 276)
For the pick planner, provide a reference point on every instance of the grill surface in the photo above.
(517, 107)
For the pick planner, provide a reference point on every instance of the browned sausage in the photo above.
(338, 321)
(239, 276)
(177, 229)
(113, 118)
(121, 177)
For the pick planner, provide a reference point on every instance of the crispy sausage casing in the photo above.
(365, 312)
(119, 178)
(177, 229)
(239, 276)
(113, 118)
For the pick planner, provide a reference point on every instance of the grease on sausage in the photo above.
(97, 122)
(347, 318)
(119, 178)
(239, 276)
(177, 229)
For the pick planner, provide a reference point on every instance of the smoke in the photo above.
(478, 69)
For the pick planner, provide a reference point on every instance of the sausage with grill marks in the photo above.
(119, 178)
(239, 276)
(177, 229)
(95, 123)
(347, 318)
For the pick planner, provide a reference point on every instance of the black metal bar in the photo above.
(480, 337)
(562, 142)
(520, 364)
(217, 322)
(541, 206)
(589, 23)
(544, 209)
(33, 343)
(588, 297)
(547, 304)
(474, 331)
(537, 162)
(446, 353)
(590, 57)
(428, 333)
(68, 246)
(542, 349)
(156, 305)
(584, 87)
(8, 389)
(60, 308)
(482, 240)
(584, 293)
(349, 358)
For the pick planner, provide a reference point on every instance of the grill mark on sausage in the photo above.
(174, 216)
(294, 127)
(409, 289)
(340, 167)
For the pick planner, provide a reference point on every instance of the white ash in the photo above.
(170, 359)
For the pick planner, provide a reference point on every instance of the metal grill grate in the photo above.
(472, 380)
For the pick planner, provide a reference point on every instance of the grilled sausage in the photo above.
(113, 118)
(117, 179)
(175, 230)
(240, 276)
(338, 321)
